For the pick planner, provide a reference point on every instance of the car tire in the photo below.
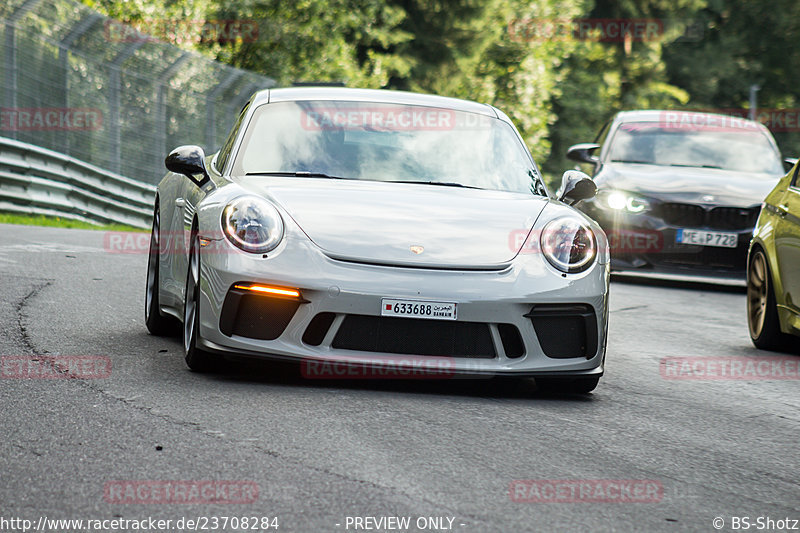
(762, 310)
(197, 359)
(157, 324)
(568, 385)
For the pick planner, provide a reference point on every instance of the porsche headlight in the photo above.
(569, 244)
(252, 224)
(621, 200)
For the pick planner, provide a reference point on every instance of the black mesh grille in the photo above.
(733, 218)
(718, 218)
(255, 316)
(682, 214)
(413, 336)
(565, 331)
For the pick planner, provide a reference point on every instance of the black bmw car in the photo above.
(679, 192)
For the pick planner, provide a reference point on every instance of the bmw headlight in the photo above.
(622, 200)
(252, 224)
(569, 244)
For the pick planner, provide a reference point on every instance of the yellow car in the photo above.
(773, 268)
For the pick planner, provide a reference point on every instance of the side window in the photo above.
(796, 172)
(225, 151)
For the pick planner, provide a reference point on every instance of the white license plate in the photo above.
(418, 309)
(707, 238)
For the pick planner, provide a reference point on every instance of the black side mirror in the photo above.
(789, 163)
(583, 153)
(189, 161)
(576, 186)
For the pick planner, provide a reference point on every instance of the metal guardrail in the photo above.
(38, 181)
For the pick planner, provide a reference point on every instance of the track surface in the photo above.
(320, 451)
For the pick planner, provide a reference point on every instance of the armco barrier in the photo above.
(38, 181)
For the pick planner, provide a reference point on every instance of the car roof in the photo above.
(676, 115)
(290, 94)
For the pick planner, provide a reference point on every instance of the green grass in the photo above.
(41, 220)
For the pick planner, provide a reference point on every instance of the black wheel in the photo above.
(570, 385)
(197, 359)
(157, 324)
(762, 311)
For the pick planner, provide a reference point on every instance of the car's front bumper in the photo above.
(348, 289)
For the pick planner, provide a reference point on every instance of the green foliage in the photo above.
(558, 90)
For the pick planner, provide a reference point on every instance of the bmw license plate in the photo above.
(707, 238)
(418, 309)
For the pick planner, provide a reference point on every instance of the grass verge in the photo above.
(41, 220)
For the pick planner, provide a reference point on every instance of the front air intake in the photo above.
(565, 331)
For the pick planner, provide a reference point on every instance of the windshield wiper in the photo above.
(632, 161)
(298, 174)
(695, 166)
(439, 183)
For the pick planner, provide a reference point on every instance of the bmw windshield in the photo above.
(386, 142)
(727, 148)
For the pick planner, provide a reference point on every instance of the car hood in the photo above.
(689, 184)
(378, 222)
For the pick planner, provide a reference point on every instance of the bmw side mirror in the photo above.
(583, 153)
(576, 186)
(789, 163)
(189, 161)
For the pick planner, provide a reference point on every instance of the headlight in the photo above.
(621, 200)
(568, 244)
(252, 224)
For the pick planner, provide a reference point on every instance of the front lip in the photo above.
(460, 372)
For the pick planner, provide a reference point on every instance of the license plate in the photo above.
(707, 238)
(418, 309)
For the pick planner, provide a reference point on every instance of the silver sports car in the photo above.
(396, 232)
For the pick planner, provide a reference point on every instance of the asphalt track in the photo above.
(318, 452)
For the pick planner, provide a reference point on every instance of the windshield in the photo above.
(740, 149)
(386, 142)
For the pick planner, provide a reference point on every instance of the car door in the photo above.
(787, 242)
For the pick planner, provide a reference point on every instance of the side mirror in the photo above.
(583, 153)
(189, 161)
(789, 163)
(575, 186)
